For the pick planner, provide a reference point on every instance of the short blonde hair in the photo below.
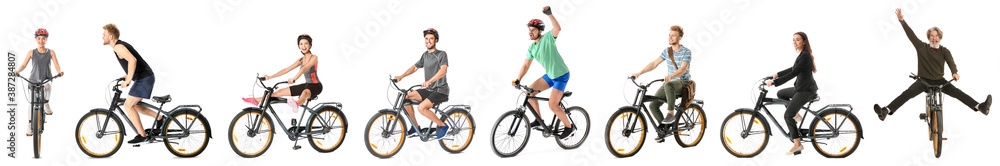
(680, 31)
(940, 34)
(112, 29)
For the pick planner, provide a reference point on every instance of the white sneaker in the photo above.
(48, 110)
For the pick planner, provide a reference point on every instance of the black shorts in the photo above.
(315, 89)
(434, 97)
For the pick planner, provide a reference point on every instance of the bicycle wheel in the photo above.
(625, 132)
(37, 120)
(510, 134)
(247, 140)
(94, 138)
(331, 140)
(694, 123)
(460, 136)
(579, 117)
(384, 134)
(192, 142)
(844, 132)
(936, 135)
(741, 142)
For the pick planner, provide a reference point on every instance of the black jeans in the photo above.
(917, 87)
(798, 99)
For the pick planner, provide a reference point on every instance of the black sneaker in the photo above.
(660, 138)
(566, 132)
(159, 123)
(985, 106)
(152, 132)
(881, 112)
(536, 125)
(138, 139)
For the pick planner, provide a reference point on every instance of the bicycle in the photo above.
(37, 110)
(933, 113)
(386, 126)
(511, 146)
(629, 124)
(185, 134)
(749, 133)
(325, 130)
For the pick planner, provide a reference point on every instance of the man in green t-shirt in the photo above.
(543, 49)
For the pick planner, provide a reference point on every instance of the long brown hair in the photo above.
(807, 48)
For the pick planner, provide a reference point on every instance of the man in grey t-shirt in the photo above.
(435, 64)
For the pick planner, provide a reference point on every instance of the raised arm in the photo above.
(555, 24)
(909, 32)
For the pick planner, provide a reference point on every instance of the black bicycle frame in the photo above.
(116, 103)
(37, 99)
(763, 101)
(933, 100)
(640, 104)
(402, 101)
(265, 105)
(526, 106)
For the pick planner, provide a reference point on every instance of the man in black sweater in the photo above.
(930, 66)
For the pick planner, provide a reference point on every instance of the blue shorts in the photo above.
(558, 83)
(143, 87)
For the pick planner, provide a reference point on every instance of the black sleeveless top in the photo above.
(142, 69)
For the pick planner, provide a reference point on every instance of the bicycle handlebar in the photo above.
(643, 85)
(924, 81)
(526, 89)
(261, 80)
(46, 80)
(394, 81)
(763, 82)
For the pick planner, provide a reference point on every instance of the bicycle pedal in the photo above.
(296, 147)
(135, 145)
(923, 116)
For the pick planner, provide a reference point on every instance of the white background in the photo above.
(207, 53)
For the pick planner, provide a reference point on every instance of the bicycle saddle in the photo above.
(161, 99)
(567, 94)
